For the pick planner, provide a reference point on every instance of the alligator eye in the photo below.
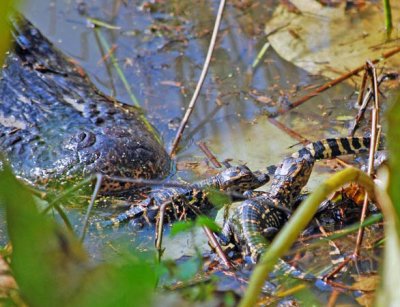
(85, 139)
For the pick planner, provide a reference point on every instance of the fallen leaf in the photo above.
(366, 282)
(330, 37)
(367, 299)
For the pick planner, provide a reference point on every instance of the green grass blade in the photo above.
(38, 248)
(102, 24)
(388, 17)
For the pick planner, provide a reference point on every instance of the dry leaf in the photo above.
(366, 282)
(330, 41)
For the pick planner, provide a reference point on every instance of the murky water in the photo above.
(160, 48)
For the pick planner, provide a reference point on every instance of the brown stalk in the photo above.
(203, 75)
(374, 130)
(160, 227)
(338, 80)
(333, 298)
(330, 275)
(364, 104)
(211, 239)
(289, 131)
(362, 88)
(209, 154)
(214, 243)
(107, 55)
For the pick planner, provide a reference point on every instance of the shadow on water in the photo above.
(161, 48)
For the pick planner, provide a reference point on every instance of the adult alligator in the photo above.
(55, 125)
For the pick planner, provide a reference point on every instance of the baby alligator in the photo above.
(257, 220)
(236, 179)
(55, 125)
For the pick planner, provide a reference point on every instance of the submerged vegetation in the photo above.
(46, 264)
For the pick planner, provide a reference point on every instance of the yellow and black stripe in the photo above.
(334, 147)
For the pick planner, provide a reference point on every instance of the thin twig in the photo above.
(362, 89)
(105, 57)
(346, 287)
(203, 146)
(297, 136)
(160, 228)
(214, 243)
(201, 79)
(211, 239)
(336, 270)
(99, 180)
(333, 298)
(209, 154)
(337, 80)
(374, 128)
(364, 103)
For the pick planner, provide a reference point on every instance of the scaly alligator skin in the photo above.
(257, 220)
(55, 125)
(237, 179)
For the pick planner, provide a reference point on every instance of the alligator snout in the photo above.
(70, 129)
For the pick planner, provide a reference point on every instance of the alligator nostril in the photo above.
(85, 139)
